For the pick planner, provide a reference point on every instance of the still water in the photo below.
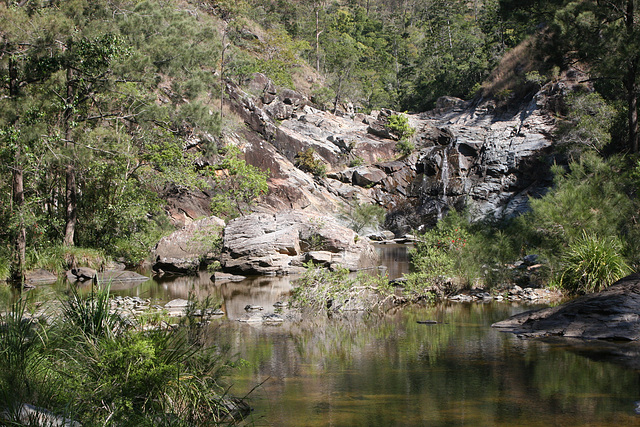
(391, 370)
(383, 370)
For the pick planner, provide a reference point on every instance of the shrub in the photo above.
(592, 263)
(356, 161)
(399, 125)
(307, 161)
(96, 370)
(405, 147)
(239, 185)
(60, 258)
(363, 215)
(320, 289)
(437, 253)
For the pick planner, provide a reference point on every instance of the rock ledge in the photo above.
(613, 314)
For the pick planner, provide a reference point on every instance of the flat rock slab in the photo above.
(120, 276)
(220, 277)
(40, 277)
(613, 314)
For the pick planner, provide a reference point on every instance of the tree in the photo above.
(239, 185)
(606, 36)
(95, 105)
(23, 63)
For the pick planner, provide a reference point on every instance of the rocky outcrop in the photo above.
(613, 314)
(467, 155)
(280, 243)
(492, 161)
(182, 251)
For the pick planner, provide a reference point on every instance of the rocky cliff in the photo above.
(467, 154)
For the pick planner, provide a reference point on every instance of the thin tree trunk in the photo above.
(224, 48)
(632, 103)
(318, 32)
(630, 84)
(70, 171)
(17, 187)
(17, 184)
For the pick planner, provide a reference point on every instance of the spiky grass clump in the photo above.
(592, 263)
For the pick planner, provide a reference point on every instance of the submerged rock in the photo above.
(613, 314)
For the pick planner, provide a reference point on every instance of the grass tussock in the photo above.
(94, 367)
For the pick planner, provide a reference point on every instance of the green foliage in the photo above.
(21, 359)
(588, 124)
(438, 255)
(356, 161)
(405, 147)
(323, 96)
(364, 215)
(92, 314)
(238, 185)
(96, 369)
(320, 289)
(110, 97)
(592, 196)
(398, 124)
(306, 161)
(592, 263)
(59, 258)
(5, 267)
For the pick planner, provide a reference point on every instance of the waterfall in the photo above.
(444, 178)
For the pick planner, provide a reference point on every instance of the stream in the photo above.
(388, 369)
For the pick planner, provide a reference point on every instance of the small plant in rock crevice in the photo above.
(307, 162)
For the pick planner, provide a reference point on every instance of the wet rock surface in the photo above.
(613, 314)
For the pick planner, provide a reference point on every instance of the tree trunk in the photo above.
(70, 171)
(632, 104)
(20, 244)
(630, 84)
(318, 32)
(17, 188)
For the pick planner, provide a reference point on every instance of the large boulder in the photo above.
(182, 251)
(613, 314)
(280, 243)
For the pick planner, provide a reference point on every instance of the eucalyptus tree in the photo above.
(97, 101)
(27, 60)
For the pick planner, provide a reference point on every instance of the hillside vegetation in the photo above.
(104, 105)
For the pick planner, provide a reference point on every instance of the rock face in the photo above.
(280, 243)
(182, 250)
(613, 314)
(467, 154)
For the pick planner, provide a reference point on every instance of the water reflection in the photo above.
(395, 258)
(390, 370)
(263, 292)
